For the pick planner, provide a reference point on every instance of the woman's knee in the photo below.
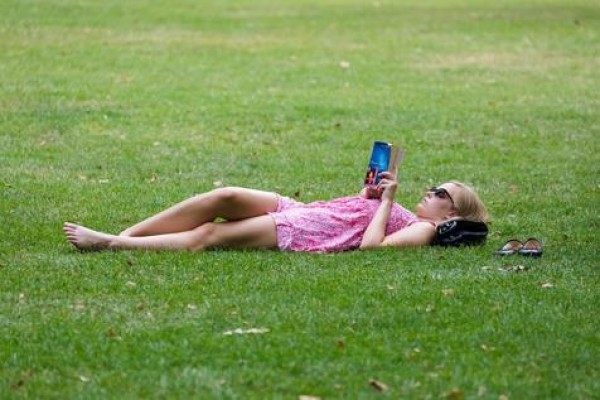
(203, 237)
(227, 194)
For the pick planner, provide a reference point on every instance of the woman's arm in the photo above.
(418, 234)
(375, 233)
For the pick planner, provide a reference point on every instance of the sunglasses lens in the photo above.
(440, 193)
(437, 192)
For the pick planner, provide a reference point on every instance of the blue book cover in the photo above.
(384, 157)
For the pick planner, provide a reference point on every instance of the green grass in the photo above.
(110, 111)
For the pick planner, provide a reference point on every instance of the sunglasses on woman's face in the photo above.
(441, 193)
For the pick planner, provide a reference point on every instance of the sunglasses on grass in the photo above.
(440, 193)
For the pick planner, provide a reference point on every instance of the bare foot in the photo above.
(86, 239)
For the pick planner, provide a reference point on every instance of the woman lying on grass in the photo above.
(256, 219)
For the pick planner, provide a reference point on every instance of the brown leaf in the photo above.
(454, 394)
(448, 292)
(111, 334)
(375, 384)
(21, 382)
(340, 343)
(307, 397)
(18, 384)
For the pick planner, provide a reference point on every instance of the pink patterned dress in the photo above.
(330, 226)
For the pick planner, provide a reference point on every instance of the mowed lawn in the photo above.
(112, 110)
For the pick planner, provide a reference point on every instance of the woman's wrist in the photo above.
(387, 201)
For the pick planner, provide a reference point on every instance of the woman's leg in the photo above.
(255, 232)
(230, 203)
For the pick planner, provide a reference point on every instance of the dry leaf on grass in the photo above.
(513, 268)
(481, 391)
(130, 284)
(375, 384)
(111, 334)
(448, 292)
(485, 347)
(547, 285)
(306, 397)
(218, 184)
(21, 382)
(18, 384)
(344, 64)
(454, 394)
(240, 331)
(413, 354)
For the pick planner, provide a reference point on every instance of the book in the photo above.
(384, 157)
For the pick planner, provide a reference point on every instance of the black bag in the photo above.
(460, 232)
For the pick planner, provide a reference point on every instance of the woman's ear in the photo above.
(451, 214)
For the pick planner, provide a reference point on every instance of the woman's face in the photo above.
(437, 205)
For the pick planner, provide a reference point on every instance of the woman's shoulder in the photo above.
(431, 224)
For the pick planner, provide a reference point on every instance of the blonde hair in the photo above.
(467, 203)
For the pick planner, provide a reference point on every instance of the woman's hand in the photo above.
(387, 186)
